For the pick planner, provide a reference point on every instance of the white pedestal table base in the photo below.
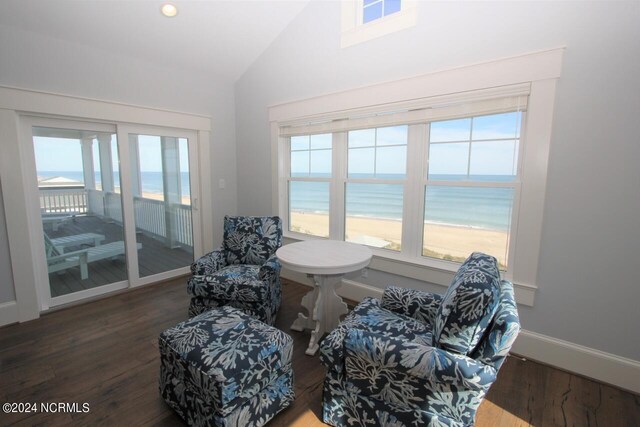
(324, 307)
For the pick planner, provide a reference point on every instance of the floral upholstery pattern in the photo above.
(237, 281)
(468, 305)
(251, 240)
(371, 317)
(422, 306)
(225, 368)
(386, 367)
(243, 273)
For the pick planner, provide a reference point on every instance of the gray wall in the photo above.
(588, 283)
(34, 61)
(7, 291)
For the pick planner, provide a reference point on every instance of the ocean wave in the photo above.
(473, 227)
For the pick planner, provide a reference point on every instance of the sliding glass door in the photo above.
(116, 204)
(162, 202)
(80, 207)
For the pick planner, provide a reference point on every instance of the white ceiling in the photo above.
(216, 36)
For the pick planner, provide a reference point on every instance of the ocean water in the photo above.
(151, 181)
(479, 207)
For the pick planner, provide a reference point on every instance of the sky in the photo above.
(485, 145)
(371, 151)
(62, 154)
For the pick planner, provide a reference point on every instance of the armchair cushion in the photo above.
(251, 240)
(370, 316)
(469, 305)
(233, 282)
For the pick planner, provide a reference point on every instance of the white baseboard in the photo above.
(357, 291)
(592, 363)
(589, 362)
(8, 313)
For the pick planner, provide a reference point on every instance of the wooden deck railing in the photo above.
(182, 214)
(63, 201)
(151, 215)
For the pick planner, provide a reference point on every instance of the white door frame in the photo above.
(32, 196)
(17, 182)
(124, 130)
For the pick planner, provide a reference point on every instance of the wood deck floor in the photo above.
(105, 353)
(154, 257)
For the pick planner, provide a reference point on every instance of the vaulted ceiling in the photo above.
(220, 37)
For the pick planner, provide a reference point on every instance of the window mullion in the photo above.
(413, 204)
(309, 153)
(338, 179)
(375, 153)
(470, 147)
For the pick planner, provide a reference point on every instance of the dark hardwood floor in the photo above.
(105, 353)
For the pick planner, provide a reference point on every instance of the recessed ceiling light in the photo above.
(169, 10)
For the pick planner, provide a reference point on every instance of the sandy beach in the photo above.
(441, 240)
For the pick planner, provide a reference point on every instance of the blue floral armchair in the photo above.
(244, 273)
(418, 358)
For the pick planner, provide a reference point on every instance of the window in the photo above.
(374, 194)
(432, 183)
(471, 184)
(376, 9)
(474, 151)
(363, 20)
(467, 191)
(310, 174)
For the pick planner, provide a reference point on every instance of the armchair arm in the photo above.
(209, 263)
(271, 268)
(375, 363)
(419, 305)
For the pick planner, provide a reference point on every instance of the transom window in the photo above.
(376, 9)
(364, 20)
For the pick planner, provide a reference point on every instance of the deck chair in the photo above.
(57, 261)
(76, 240)
(57, 219)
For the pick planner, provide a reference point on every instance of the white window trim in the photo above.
(355, 32)
(538, 70)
